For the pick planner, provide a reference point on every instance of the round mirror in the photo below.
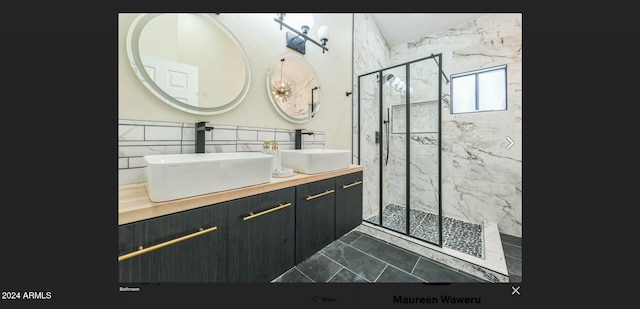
(293, 87)
(191, 61)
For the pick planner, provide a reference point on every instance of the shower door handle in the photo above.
(377, 137)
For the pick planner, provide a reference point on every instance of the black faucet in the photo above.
(298, 140)
(201, 127)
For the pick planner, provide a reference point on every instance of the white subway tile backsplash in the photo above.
(138, 138)
(223, 127)
(136, 151)
(130, 133)
(222, 134)
(286, 145)
(136, 162)
(189, 134)
(219, 148)
(266, 135)
(157, 133)
(284, 136)
(247, 135)
(131, 175)
(191, 148)
(252, 147)
(123, 163)
(149, 143)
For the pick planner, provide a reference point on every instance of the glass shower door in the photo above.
(399, 146)
(393, 165)
(424, 150)
(369, 144)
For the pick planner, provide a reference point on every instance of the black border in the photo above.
(58, 232)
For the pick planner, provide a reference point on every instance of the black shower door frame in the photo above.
(438, 59)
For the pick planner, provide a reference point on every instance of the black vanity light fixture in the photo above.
(297, 40)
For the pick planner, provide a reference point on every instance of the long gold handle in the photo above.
(310, 197)
(351, 184)
(251, 216)
(164, 244)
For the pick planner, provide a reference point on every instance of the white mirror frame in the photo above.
(308, 82)
(132, 45)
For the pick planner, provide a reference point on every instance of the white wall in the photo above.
(482, 180)
(263, 41)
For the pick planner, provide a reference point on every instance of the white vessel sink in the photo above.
(313, 161)
(175, 176)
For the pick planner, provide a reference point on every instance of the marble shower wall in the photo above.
(481, 179)
(369, 124)
(423, 137)
(370, 53)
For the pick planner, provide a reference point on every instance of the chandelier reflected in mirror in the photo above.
(281, 89)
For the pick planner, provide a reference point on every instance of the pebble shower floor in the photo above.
(462, 236)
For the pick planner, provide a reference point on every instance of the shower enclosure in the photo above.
(399, 143)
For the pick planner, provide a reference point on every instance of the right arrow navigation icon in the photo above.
(510, 142)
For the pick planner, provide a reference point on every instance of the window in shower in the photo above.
(481, 90)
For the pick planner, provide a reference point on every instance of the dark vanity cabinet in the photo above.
(255, 238)
(188, 246)
(315, 217)
(261, 236)
(348, 203)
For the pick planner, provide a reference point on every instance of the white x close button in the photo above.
(516, 290)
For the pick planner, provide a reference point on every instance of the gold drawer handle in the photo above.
(251, 215)
(164, 244)
(351, 184)
(310, 197)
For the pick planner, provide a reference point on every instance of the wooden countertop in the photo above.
(134, 204)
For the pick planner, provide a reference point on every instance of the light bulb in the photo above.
(323, 33)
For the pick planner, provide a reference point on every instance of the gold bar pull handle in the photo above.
(252, 215)
(351, 184)
(142, 250)
(310, 197)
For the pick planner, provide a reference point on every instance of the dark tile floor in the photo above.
(512, 247)
(358, 257)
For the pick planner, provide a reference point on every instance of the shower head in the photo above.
(387, 78)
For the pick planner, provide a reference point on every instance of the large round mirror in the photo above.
(191, 61)
(293, 87)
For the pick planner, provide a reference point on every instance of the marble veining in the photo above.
(481, 178)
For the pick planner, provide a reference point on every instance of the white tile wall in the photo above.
(481, 179)
(137, 138)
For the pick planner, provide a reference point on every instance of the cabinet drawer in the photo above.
(261, 236)
(188, 246)
(348, 203)
(353, 180)
(315, 217)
